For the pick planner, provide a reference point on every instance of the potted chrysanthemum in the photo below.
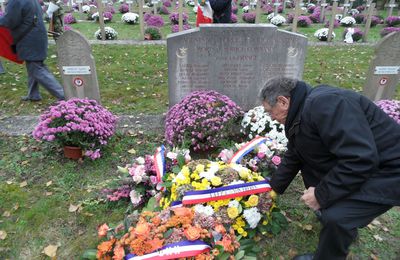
(82, 124)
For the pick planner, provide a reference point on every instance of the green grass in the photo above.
(38, 219)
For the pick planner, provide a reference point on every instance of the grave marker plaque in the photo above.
(235, 60)
(77, 66)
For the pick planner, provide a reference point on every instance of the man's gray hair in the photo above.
(278, 86)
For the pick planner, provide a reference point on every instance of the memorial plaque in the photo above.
(77, 66)
(235, 60)
(384, 72)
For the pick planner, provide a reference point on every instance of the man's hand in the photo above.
(309, 199)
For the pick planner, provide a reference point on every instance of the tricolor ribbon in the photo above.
(176, 204)
(237, 157)
(159, 162)
(174, 250)
(226, 192)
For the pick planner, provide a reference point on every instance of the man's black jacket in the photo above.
(222, 10)
(343, 144)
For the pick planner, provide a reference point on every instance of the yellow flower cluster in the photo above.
(239, 226)
(218, 203)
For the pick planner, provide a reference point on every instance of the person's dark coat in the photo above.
(344, 145)
(19, 16)
(222, 10)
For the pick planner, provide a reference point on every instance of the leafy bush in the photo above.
(153, 33)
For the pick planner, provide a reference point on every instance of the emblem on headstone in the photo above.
(181, 52)
(292, 52)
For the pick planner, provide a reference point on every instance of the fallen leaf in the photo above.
(6, 214)
(307, 227)
(88, 214)
(23, 149)
(73, 208)
(50, 250)
(24, 162)
(385, 229)
(9, 182)
(3, 234)
(132, 151)
(370, 226)
(16, 206)
(374, 257)
(23, 184)
(292, 253)
(48, 183)
(378, 238)
(376, 222)
(48, 193)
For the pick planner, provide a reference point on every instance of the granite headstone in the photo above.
(384, 71)
(235, 60)
(77, 66)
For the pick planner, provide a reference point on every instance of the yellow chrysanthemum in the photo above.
(244, 174)
(265, 222)
(216, 181)
(233, 212)
(244, 234)
(273, 194)
(199, 168)
(240, 230)
(253, 200)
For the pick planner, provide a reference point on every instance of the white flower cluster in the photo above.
(348, 21)
(206, 210)
(270, 16)
(257, 122)
(354, 11)
(252, 216)
(339, 16)
(322, 34)
(96, 15)
(85, 9)
(130, 18)
(189, 2)
(195, 9)
(278, 20)
(111, 34)
(246, 9)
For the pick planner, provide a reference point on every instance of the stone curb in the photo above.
(24, 125)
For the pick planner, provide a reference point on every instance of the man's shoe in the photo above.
(304, 257)
(26, 98)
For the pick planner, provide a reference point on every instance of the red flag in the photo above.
(204, 14)
(6, 40)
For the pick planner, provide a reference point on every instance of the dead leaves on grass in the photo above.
(50, 251)
(3, 234)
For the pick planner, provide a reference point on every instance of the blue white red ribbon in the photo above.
(176, 204)
(237, 157)
(159, 162)
(226, 192)
(174, 250)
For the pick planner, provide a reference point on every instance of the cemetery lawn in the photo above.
(46, 199)
(134, 79)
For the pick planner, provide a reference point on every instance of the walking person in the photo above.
(24, 19)
(348, 152)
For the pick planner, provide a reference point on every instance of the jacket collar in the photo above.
(297, 97)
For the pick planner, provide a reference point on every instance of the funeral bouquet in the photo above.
(348, 21)
(278, 20)
(130, 18)
(256, 122)
(142, 177)
(169, 234)
(77, 122)
(111, 34)
(231, 193)
(322, 34)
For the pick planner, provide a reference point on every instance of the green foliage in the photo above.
(154, 32)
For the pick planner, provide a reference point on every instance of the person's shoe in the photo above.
(26, 98)
(308, 256)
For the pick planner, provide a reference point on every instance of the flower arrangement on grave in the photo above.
(353, 12)
(111, 34)
(107, 16)
(234, 18)
(174, 18)
(155, 21)
(347, 21)
(175, 27)
(142, 177)
(356, 33)
(267, 9)
(85, 9)
(69, 18)
(249, 17)
(338, 17)
(315, 16)
(235, 9)
(256, 122)
(304, 21)
(109, 8)
(360, 8)
(336, 24)
(167, 3)
(322, 34)
(77, 122)
(270, 16)
(263, 157)
(237, 196)
(278, 20)
(146, 16)
(311, 8)
(152, 33)
(171, 233)
(387, 30)
(67, 28)
(360, 18)
(246, 9)
(123, 8)
(375, 20)
(202, 120)
(289, 18)
(392, 21)
(391, 108)
(130, 18)
(164, 10)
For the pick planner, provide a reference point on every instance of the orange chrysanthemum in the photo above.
(142, 229)
(102, 230)
(192, 233)
(119, 253)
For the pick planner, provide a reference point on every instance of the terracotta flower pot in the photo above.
(72, 152)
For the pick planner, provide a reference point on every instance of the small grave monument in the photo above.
(77, 66)
(235, 60)
(384, 71)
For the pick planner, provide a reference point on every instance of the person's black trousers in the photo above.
(340, 223)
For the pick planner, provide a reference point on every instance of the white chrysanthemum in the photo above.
(195, 9)
(252, 216)
(140, 160)
(270, 16)
(322, 34)
(278, 20)
(339, 16)
(246, 9)
(205, 210)
(210, 173)
(85, 8)
(348, 20)
(111, 34)
(233, 204)
(310, 5)
(208, 210)
(130, 18)
(354, 11)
